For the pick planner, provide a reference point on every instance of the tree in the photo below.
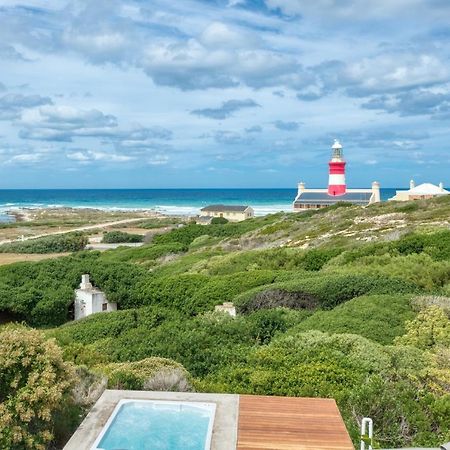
(33, 382)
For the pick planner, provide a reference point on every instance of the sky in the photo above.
(222, 93)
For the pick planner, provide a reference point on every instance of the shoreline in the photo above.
(28, 213)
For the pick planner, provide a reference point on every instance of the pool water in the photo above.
(158, 425)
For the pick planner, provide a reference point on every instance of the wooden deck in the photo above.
(288, 423)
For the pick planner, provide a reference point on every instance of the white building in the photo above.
(226, 307)
(420, 192)
(90, 300)
(233, 213)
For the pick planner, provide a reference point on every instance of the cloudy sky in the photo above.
(222, 93)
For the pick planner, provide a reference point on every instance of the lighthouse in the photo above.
(336, 178)
(337, 191)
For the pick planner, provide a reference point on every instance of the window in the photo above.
(104, 306)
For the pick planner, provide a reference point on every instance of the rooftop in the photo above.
(324, 198)
(427, 189)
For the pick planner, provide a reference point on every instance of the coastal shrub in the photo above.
(143, 254)
(159, 223)
(102, 326)
(380, 318)
(315, 259)
(173, 292)
(119, 237)
(431, 328)
(34, 381)
(418, 268)
(202, 344)
(184, 235)
(437, 244)
(194, 293)
(219, 221)
(364, 377)
(220, 289)
(267, 323)
(42, 293)
(147, 374)
(95, 327)
(324, 290)
(311, 364)
(188, 233)
(406, 413)
(424, 301)
(276, 298)
(274, 259)
(60, 243)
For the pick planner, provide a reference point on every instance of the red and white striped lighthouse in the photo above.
(336, 180)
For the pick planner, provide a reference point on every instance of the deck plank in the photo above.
(290, 423)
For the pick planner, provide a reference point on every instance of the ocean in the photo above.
(168, 201)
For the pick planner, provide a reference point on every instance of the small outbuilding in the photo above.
(420, 192)
(233, 213)
(90, 300)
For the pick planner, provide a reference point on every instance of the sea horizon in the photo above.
(170, 201)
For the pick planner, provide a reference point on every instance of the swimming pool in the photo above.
(158, 425)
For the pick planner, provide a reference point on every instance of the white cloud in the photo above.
(91, 156)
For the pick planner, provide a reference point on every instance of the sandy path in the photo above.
(84, 228)
(10, 258)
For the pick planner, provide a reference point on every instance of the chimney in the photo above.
(376, 192)
(85, 283)
(301, 187)
(412, 184)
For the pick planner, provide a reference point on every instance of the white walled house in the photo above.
(420, 192)
(233, 213)
(90, 300)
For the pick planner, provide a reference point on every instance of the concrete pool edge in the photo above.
(224, 435)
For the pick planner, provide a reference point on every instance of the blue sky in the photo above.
(222, 93)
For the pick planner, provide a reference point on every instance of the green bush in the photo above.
(146, 374)
(144, 254)
(42, 293)
(201, 344)
(34, 381)
(119, 237)
(380, 318)
(69, 242)
(326, 291)
(159, 223)
(364, 377)
(219, 221)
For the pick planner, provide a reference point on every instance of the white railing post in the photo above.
(367, 430)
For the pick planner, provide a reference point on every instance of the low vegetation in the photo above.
(34, 382)
(59, 243)
(344, 302)
(120, 237)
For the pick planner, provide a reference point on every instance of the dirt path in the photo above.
(10, 258)
(83, 228)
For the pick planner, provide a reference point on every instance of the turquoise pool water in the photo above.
(158, 425)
